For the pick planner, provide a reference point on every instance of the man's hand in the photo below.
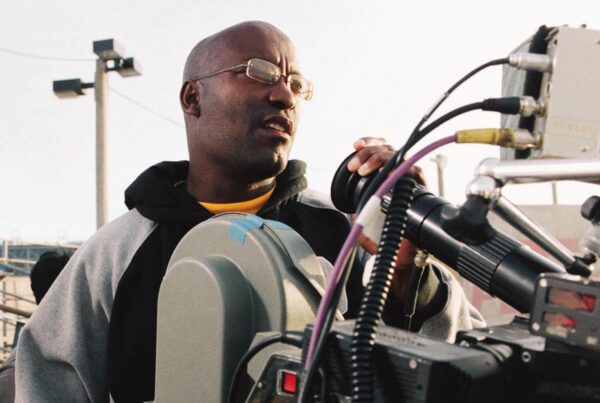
(372, 154)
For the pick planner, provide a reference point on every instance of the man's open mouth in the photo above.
(279, 123)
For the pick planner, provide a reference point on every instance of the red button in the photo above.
(289, 382)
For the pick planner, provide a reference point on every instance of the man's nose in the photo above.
(282, 96)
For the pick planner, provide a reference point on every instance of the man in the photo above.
(45, 271)
(242, 95)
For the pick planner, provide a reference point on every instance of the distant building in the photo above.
(17, 259)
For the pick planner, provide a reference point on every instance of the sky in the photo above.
(377, 66)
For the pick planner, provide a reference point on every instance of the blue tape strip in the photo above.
(240, 227)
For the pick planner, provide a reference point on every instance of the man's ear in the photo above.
(188, 97)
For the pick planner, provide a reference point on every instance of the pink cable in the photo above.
(353, 237)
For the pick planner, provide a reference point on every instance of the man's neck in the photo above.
(212, 189)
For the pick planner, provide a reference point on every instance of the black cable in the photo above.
(373, 301)
(507, 105)
(410, 297)
(450, 90)
(309, 375)
(293, 338)
(324, 392)
(379, 178)
(441, 120)
(399, 155)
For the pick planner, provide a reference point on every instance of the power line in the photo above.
(147, 109)
(66, 59)
(35, 56)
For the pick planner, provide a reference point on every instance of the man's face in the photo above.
(246, 127)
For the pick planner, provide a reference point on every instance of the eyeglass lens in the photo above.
(268, 73)
(263, 71)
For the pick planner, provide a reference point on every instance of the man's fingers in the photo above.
(370, 159)
(374, 163)
(369, 141)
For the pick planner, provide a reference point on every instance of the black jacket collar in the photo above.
(155, 194)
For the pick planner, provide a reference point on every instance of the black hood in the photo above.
(156, 195)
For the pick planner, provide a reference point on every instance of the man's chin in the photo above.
(274, 169)
(263, 170)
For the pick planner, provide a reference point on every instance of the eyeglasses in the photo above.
(269, 73)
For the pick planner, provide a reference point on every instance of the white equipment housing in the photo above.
(570, 93)
(230, 277)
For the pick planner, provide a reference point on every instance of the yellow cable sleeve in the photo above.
(499, 137)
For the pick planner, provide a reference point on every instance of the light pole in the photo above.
(109, 54)
(441, 161)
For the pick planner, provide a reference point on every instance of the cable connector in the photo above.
(531, 61)
(519, 139)
(421, 258)
(507, 105)
(525, 105)
(530, 107)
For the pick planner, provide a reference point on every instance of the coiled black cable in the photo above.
(373, 301)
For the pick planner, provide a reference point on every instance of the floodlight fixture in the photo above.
(129, 67)
(70, 88)
(108, 49)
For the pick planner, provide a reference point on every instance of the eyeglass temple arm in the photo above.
(239, 66)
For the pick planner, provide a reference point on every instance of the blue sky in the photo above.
(377, 66)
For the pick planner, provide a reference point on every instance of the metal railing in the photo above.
(16, 260)
(12, 320)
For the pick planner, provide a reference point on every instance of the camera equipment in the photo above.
(462, 238)
(257, 276)
(497, 364)
(559, 362)
(490, 259)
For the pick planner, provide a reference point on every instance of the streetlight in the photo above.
(440, 161)
(109, 54)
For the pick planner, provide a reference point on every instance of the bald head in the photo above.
(207, 55)
(239, 129)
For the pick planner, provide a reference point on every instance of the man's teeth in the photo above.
(276, 126)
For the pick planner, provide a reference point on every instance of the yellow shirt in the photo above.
(252, 206)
